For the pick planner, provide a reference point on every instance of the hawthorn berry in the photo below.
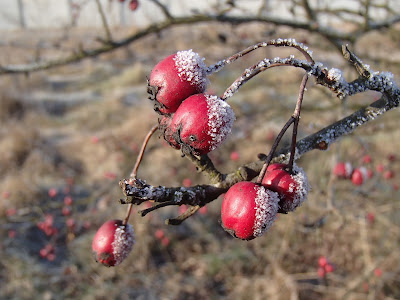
(175, 78)
(343, 170)
(359, 176)
(201, 123)
(112, 242)
(248, 210)
(291, 188)
(133, 5)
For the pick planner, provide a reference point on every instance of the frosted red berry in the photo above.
(359, 176)
(175, 78)
(291, 188)
(201, 123)
(343, 170)
(248, 210)
(113, 242)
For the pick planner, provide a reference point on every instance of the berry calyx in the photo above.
(248, 210)
(175, 78)
(164, 126)
(291, 188)
(201, 123)
(113, 242)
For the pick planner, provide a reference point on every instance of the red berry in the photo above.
(367, 159)
(291, 188)
(66, 211)
(329, 268)
(248, 210)
(68, 200)
(52, 192)
(322, 261)
(186, 182)
(359, 176)
(201, 123)
(133, 5)
(159, 234)
(235, 156)
(380, 168)
(343, 170)
(321, 272)
(113, 242)
(378, 272)
(175, 78)
(388, 174)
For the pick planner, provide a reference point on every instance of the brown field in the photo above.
(77, 129)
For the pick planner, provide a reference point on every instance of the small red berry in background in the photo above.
(359, 176)
(12, 233)
(235, 156)
(113, 242)
(248, 210)
(291, 188)
(329, 268)
(66, 211)
(322, 261)
(5, 195)
(321, 272)
(94, 139)
(203, 210)
(175, 78)
(52, 192)
(201, 123)
(68, 200)
(367, 159)
(187, 182)
(380, 168)
(378, 272)
(133, 5)
(159, 234)
(388, 174)
(370, 217)
(343, 170)
(11, 212)
(392, 157)
(165, 241)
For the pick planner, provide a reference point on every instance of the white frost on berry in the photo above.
(266, 210)
(191, 67)
(123, 242)
(300, 189)
(220, 120)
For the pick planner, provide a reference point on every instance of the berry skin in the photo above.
(248, 210)
(201, 123)
(112, 243)
(291, 188)
(133, 5)
(175, 78)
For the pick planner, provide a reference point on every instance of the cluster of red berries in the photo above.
(190, 119)
(359, 175)
(324, 267)
(48, 252)
(249, 209)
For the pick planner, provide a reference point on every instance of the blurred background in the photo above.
(72, 123)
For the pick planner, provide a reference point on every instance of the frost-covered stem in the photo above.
(136, 167)
(277, 43)
(296, 117)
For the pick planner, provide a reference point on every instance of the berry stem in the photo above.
(295, 118)
(277, 43)
(136, 167)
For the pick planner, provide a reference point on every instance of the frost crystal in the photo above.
(123, 242)
(266, 210)
(220, 120)
(302, 188)
(191, 67)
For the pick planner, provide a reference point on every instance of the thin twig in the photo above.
(104, 21)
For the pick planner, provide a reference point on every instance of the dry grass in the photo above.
(95, 143)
